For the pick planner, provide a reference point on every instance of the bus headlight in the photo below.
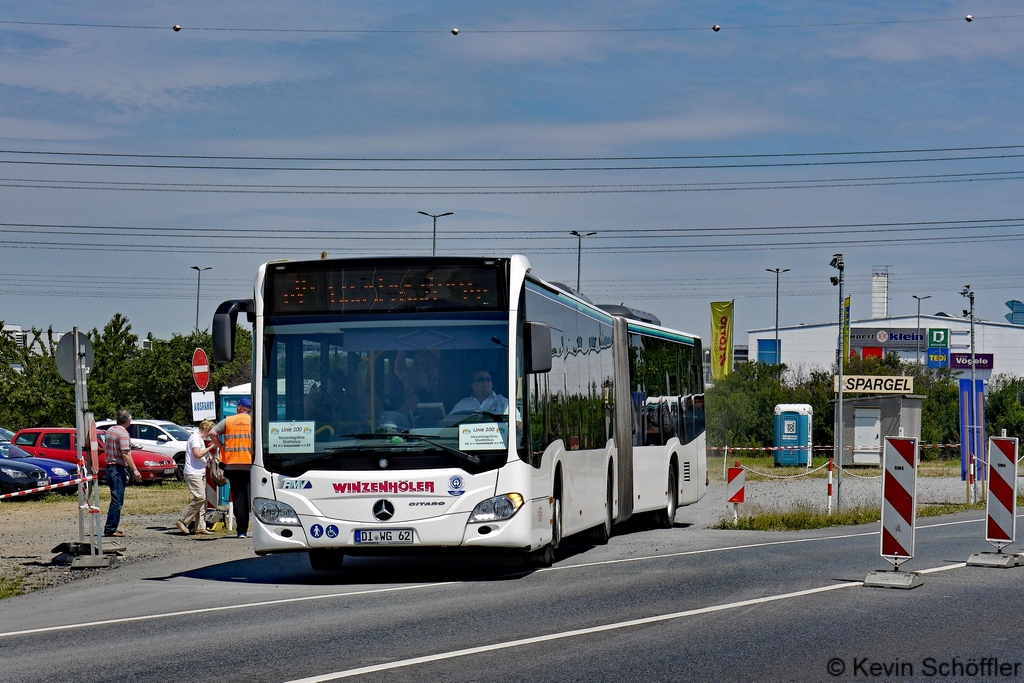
(274, 512)
(497, 508)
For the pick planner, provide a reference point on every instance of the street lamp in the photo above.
(777, 271)
(919, 300)
(199, 280)
(433, 247)
(837, 263)
(579, 252)
(972, 432)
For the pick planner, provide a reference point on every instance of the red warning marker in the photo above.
(1001, 511)
(899, 491)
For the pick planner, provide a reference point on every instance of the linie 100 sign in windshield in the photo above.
(310, 288)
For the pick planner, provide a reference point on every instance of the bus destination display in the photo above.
(366, 289)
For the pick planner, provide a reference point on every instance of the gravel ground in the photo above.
(30, 530)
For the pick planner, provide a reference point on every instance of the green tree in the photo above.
(34, 393)
(1003, 410)
(112, 381)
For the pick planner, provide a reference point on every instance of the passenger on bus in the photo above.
(418, 379)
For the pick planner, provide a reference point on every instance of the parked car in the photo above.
(6, 434)
(158, 436)
(20, 476)
(58, 443)
(57, 470)
(154, 467)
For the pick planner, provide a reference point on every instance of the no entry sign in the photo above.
(200, 369)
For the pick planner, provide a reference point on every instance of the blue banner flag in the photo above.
(972, 425)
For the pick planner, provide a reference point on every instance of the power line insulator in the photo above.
(969, 18)
(716, 28)
(176, 28)
(455, 31)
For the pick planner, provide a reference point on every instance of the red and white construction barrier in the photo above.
(1001, 511)
(899, 491)
(50, 487)
(769, 449)
(736, 489)
(830, 486)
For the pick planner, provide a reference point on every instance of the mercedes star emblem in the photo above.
(383, 463)
(383, 510)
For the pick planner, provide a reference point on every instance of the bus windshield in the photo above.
(403, 391)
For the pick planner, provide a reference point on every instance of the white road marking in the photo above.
(932, 570)
(205, 610)
(566, 634)
(282, 601)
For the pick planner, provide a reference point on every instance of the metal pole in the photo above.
(199, 281)
(778, 352)
(433, 244)
(919, 300)
(579, 252)
(837, 263)
(974, 428)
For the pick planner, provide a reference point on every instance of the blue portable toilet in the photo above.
(793, 430)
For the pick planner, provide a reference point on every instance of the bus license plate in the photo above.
(383, 536)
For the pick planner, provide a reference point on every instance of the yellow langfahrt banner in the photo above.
(721, 339)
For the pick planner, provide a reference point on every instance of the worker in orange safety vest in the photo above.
(234, 435)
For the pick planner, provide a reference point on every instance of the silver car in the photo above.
(158, 436)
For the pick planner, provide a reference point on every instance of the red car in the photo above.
(59, 443)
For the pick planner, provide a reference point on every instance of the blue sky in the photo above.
(512, 93)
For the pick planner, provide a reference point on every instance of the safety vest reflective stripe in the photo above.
(237, 440)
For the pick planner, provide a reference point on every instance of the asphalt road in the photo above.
(705, 605)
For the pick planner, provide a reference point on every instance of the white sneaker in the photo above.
(241, 536)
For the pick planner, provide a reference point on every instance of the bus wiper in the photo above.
(447, 449)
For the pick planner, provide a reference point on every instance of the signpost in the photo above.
(899, 512)
(204, 403)
(1001, 510)
(74, 356)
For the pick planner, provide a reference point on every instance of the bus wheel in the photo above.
(602, 533)
(664, 519)
(538, 559)
(326, 559)
(556, 520)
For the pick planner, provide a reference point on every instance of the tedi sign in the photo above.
(871, 384)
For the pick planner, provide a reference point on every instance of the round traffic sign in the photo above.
(67, 358)
(200, 369)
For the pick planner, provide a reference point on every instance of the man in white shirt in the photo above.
(484, 398)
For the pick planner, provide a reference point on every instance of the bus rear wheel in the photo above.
(664, 519)
(601, 534)
(326, 559)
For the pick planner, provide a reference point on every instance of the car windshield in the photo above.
(6, 434)
(404, 386)
(176, 432)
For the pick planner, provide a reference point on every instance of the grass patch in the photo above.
(808, 516)
(801, 517)
(11, 586)
(149, 499)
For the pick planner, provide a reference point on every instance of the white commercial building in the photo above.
(999, 347)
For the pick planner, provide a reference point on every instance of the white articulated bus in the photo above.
(403, 404)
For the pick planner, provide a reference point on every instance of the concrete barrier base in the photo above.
(999, 560)
(904, 580)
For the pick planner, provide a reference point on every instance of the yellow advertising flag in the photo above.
(721, 339)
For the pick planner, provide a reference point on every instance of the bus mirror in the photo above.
(537, 347)
(224, 322)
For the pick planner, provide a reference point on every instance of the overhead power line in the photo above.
(920, 150)
(507, 169)
(459, 31)
(473, 190)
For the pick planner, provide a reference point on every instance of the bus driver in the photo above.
(484, 398)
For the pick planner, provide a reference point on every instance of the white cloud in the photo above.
(25, 129)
